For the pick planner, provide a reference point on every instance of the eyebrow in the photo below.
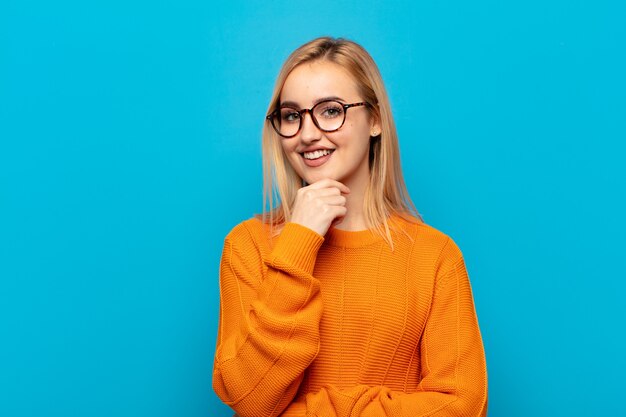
(319, 100)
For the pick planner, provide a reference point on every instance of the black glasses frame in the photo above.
(275, 115)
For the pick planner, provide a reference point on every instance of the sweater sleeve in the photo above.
(270, 308)
(454, 374)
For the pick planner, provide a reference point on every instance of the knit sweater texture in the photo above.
(344, 326)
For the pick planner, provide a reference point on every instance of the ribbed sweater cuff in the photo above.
(298, 245)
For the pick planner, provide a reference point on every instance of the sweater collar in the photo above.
(351, 239)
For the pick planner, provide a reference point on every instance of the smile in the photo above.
(317, 154)
(316, 158)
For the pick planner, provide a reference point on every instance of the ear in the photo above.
(375, 127)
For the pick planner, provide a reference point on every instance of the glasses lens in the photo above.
(287, 121)
(329, 115)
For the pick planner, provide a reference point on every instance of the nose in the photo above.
(309, 132)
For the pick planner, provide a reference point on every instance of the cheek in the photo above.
(360, 129)
(357, 137)
(287, 150)
(290, 156)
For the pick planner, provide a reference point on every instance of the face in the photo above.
(341, 155)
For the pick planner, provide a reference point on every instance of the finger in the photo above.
(327, 182)
(333, 200)
(325, 192)
(337, 221)
(340, 211)
(331, 212)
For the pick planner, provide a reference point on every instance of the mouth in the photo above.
(316, 154)
(317, 157)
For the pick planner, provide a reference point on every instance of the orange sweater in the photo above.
(341, 326)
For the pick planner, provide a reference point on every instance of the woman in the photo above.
(340, 300)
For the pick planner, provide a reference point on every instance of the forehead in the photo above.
(309, 82)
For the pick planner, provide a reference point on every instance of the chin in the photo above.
(310, 178)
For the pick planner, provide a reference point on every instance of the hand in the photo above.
(319, 205)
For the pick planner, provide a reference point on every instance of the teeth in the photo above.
(316, 154)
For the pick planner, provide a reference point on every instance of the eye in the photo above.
(331, 110)
(288, 115)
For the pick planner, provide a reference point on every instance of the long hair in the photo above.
(386, 193)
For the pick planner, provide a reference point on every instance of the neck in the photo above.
(354, 219)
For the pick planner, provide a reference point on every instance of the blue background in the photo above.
(130, 146)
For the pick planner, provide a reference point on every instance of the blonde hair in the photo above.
(386, 192)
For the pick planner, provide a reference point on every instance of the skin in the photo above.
(336, 190)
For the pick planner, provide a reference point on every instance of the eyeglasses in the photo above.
(328, 116)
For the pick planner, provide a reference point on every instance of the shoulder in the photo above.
(250, 234)
(427, 241)
(250, 228)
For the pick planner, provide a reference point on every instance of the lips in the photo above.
(317, 154)
(317, 157)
